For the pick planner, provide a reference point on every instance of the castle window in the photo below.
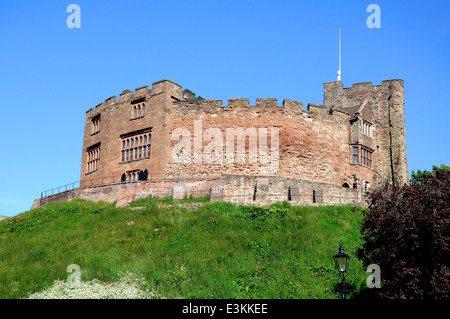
(139, 148)
(93, 158)
(96, 124)
(355, 154)
(361, 155)
(138, 110)
(367, 128)
(131, 176)
(366, 187)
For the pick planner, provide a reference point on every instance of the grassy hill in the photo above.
(217, 251)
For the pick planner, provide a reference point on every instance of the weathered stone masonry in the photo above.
(328, 153)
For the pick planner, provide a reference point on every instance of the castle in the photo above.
(164, 140)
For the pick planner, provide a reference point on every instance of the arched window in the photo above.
(143, 109)
(145, 139)
(145, 175)
(134, 111)
(140, 141)
(345, 185)
(139, 110)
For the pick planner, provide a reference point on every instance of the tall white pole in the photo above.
(339, 71)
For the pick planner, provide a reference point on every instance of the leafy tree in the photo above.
(407, 233)
(417, 178)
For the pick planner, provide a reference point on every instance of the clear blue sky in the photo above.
(50, 74)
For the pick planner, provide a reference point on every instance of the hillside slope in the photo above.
(217, 251)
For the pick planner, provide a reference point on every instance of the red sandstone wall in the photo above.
(313, 145)
(116, 119)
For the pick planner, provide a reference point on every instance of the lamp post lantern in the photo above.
(342, 260)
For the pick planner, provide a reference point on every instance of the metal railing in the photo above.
(101, 181)
(60, 189)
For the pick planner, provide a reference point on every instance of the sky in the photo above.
(52, 74)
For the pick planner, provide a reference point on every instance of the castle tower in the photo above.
(386, 102)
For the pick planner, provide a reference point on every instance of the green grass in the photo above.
(152, 201)
(218, 251)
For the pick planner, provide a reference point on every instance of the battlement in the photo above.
(242, 106)
(368, 86)
(243, 102)
(128, 96)
(336, 95)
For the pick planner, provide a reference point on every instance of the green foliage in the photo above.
(218, 251)
(419, 176)
(154, 201)
(407, 234)
(264, 213)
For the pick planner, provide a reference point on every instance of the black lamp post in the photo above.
(342, 260)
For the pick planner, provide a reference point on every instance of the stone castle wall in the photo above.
(237, 189)
(314, 145)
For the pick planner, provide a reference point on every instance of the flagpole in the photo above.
(339, 71)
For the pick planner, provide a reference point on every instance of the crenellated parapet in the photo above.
(128, 97)
(267, 106)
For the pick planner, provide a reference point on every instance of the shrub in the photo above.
(407, 233)
(265, 212)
